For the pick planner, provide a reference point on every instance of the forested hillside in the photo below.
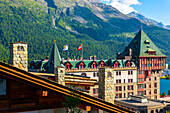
(41, 22)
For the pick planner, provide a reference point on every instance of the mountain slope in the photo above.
(102, 29)
(146, 20)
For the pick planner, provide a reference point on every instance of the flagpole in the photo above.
(67, 50)
(82, 51)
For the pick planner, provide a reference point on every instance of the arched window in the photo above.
(152, 111)
(109, 74)
(84, 74)
(20, 48)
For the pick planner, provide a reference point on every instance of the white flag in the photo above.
(65, 47)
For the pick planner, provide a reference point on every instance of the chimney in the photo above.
(74, 58)
(90, 57)
(81, 58)
(130, 52)
(94, 57)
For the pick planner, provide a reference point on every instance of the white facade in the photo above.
(124, 76)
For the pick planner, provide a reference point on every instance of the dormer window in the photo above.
(94, 65)
(68, 65)
(128, 64)
(151, 52)
(147, 42)
(116, 64)
(102, 64)
(82, 65)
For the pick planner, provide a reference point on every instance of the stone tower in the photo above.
(18, 55)
(60, 75)
(106, 84)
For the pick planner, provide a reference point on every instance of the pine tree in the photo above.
(169, 92)
(163, 94)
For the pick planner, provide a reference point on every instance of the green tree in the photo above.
(163, 94)
(169, 92)
(72, 102)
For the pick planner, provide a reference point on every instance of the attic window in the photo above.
(148, 46)
(146, 42)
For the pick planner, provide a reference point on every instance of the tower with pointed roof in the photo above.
(149, 61)
(54, 60)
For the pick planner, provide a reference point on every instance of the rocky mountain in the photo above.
(167, 26)
(102, 29)
(147, 20)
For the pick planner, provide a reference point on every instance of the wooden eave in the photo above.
(14, 73)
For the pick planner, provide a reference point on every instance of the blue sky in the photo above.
(158, 10)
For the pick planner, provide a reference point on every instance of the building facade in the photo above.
(149, 61)
(136, 70)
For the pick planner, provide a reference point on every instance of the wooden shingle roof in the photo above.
(14, 73)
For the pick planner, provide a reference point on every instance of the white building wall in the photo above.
(124, 75)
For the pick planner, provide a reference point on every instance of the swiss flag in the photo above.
(79, 48)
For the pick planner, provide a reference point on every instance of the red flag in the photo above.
(79, 48)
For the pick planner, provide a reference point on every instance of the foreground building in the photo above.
(21, 91)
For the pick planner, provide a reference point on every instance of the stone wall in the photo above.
(18, 55)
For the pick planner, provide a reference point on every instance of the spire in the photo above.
(54, 60)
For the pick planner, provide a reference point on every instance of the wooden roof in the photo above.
(14, 73)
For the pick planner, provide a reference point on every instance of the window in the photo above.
(120, 88)
(140, 79)
(119, 72)
(131, 72)
(2, 86)
(128, 72)
(118, 81)
(155, 78)
(94, 91)
(84, 74)
(140, 93)
(140, 86)
(109, 74)
(149, 79)
(124, 80)
(120, 95)
(94, 74)
(20, 48)
(97, 90)
(116, 88)
(124, 88)
(155, 85)
(130, 80)
(128, 87)
(145, 92)
(144, 85)
(132, 87)
(149, 85)
(155, 91)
